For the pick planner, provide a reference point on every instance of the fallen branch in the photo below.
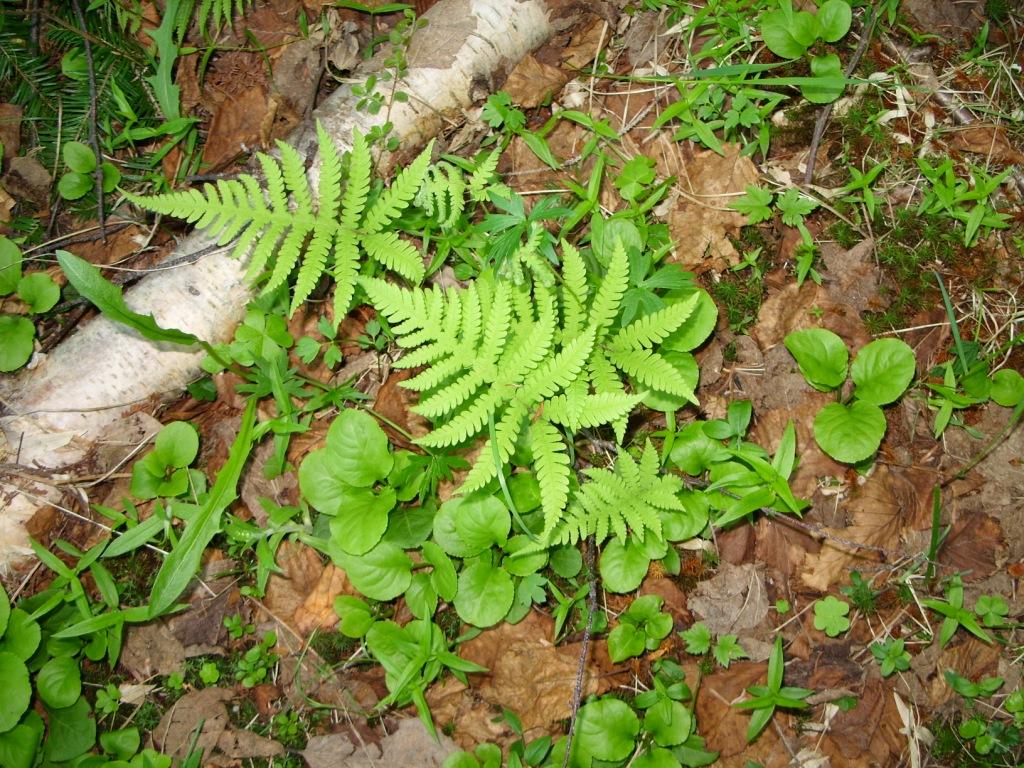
(55, 414)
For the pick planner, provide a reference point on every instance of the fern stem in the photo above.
(670, 436)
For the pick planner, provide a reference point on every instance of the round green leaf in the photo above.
(5, 610)
(668, 722)
(177, 444)
(409, 527)
(485, 594)
(18, 746)
(776, 34)
(1007, 388)
(74, 185)
(72, 731)
(658, 757)
(566, 561)
(482, 522)
(623, 566)
(443, 576)
(849, 433)
(111, 177)
(882, 371)
(362, 519)
(821, 355)
(360, 448)
(834, 17)
(693, 451)
(320, 483)
(22, 635)
(79, 157)
(523, 565)
(38, 290)
(695, 330)
(356, 617)
(16, 334)
(383, 573)
(10, 266)
(805, 28)
(606, 729)
(421, 597)
(625, 642)
(681, 526)
(122, 743)
(829, 82)
(17, 690)
(59, 682)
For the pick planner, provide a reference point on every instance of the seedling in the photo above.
(768, 698)
(725, 650)
(851, 431)
(861, 593)
(78, 181)
(641, 628)
(789, 34)
(954, 613)
(891, 656)
(37, 290)
(163, 472)
(255, 664)
(992, 610)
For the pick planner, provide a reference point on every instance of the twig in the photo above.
(93, 141)
(581, 670)
(826, 112)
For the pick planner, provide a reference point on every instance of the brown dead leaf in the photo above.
(407, 744)
(793, 308)
(974, 546)
(282, 490)
(393, 403)
(988, 140)
(27, 179)
(875, 519)
(701, 221)
(7, 204)
(235, 127)
(151, 649)
(869, 734)
(204, 710)
(852, 274)
(532, 83)
(584, 45)
(10, 129)
(303, 595)
(734, 601)
(725, 727)
(235, 745)
(970, 658)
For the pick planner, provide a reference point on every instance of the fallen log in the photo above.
(55, 414)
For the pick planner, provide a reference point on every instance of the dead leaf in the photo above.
(583, 47)
(532, 83)
(317, 610)
(724, 726)
(869, 734)
(875, 517)
(852, 274)
(235, 745)
(27, 179)
(393, 403)
(235, 127)
(988, 140)
(794, 307)
(303, 595)
(10, 129)
(297, 73)
(204, 710)
(734, 602)
(701, 221)
(408, 744)
(151, 649)
(7, 204)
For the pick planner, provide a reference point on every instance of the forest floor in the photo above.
(934, 518)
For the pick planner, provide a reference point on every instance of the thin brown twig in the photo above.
(93, 140)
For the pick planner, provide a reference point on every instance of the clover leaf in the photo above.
(992, 610)
(830, 616)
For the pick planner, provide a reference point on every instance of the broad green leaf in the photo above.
(362, 520)
(526, 564)
(59, 682)
(111, 177)
(10, 266)
(485, 594)
(443, 576)
(695, 330)
(79, 157)
(668, 722)
(805, 28)
(1007, 388)
(444, 529)
(421, 597)
(22, 635)
(687, 372)
(122, 743)
(623, 566)
(5, 610)
(566, 561)
(625, 642)
(829, 81)
(360, 448)
(177, 444)
(834, 17)
(409, 527)
(606, 729)
(383, 573)
(882, 371)
(183, 562)
(681, 526)
(72, 731)
(16, 334)
(87, 280)
(849, 433)
(17, 690)
(19, 745)
(659, 757)
(356, 617)
(693, 451)
(38, 290)
(821, 355)
(777, 35)
(320, 483)
(74, 185)
(482, 522)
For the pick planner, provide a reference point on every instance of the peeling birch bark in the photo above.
(56, 413)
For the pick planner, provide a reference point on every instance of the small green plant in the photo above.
(255, 664)
(954, 614)
(237, 627)
(830, 616)
(861, 593)
(992, 610)
(37, 290)
(209, 673)
(163, 472)
(852, 430)
(891, 656)
(641, 628)
(858, 188)
(965, 201)
(767, 698)
(79, 180)
(790, 34)
(725, 650)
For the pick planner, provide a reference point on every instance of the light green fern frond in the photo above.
(483, 177)
(653, 328)
(629, 497)
(396, 198)
(605, 308)
(551, 461)
(651, 370)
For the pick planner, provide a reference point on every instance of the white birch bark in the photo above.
(55, 414)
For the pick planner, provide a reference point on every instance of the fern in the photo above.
(289, 235)
(630, 496)
(536, 360)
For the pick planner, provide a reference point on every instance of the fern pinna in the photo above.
(278, 220)
(533, 362)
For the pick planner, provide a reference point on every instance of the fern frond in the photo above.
(506, 432)
(295, 179)
(313, 264)
(607, 301)
(652, 370)
(653, 328)
(483, 177)
(558, 371)
(329, 188)
(551, 459)
(465, 424)
(346, 267)
(590, 411)
(395, 198)
(395, 254)
(360, 168)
